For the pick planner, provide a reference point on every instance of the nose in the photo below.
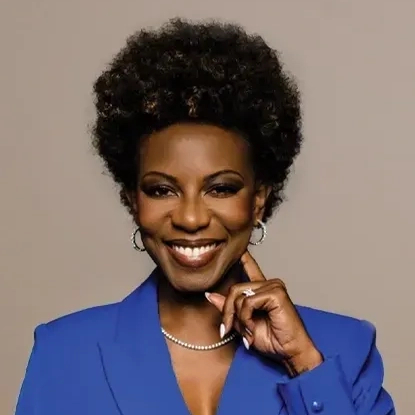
(191, 214)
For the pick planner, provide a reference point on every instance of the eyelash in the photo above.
(224, 189)
(219, 190)
(164, 190)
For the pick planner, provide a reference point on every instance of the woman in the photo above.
(199, 125)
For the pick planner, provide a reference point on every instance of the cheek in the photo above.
(151, 214)
(236, 213)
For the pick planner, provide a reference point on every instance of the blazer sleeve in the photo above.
(347, 384)
(28, 396)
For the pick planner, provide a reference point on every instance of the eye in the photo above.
(224, 190)
(159, 191)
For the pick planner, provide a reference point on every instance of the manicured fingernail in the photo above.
(207, 295)
(222, 331)
(246, 343)
(248, 331)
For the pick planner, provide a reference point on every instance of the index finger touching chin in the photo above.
(251, 267)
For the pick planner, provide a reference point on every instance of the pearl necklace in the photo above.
(197, 347)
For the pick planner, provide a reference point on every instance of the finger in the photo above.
(281, 283)
(262, 301)
(217, 300)
(277, 291)
(248, 323)
(251, 268)
(245, 308)
(228, 310)
(238, 326)
(247, 336)
(226, 306)
(272, 284)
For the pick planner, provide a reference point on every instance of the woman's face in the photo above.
(196, 202)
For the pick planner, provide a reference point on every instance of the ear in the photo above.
(261, 197)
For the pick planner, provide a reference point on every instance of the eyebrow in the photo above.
(206, 179)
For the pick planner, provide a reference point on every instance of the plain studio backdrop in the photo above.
(342, 241)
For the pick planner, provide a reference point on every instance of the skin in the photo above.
(197, 181)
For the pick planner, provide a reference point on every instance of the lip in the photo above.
(193, 243)
(198, 262)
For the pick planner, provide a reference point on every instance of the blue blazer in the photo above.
(113, 360)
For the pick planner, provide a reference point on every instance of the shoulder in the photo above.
(94, 325)
(83, 326)
(317, 316)
(313, 316)
(336, 334)
(325, 324)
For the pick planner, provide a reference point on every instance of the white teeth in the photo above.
(193, 252)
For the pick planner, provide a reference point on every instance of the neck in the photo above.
(190, 316)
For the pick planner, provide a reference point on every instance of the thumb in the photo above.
(216, 299)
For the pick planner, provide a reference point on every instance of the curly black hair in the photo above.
(205, 72)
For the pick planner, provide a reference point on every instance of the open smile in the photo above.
(194, 254)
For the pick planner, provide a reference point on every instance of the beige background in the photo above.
(343, 241)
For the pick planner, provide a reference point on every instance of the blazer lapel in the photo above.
(136, 360)
(251, 386)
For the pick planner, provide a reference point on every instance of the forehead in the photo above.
(194, 148)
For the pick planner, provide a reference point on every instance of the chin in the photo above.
(192, 280)
(201, 280)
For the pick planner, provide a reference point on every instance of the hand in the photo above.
(267, 320)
